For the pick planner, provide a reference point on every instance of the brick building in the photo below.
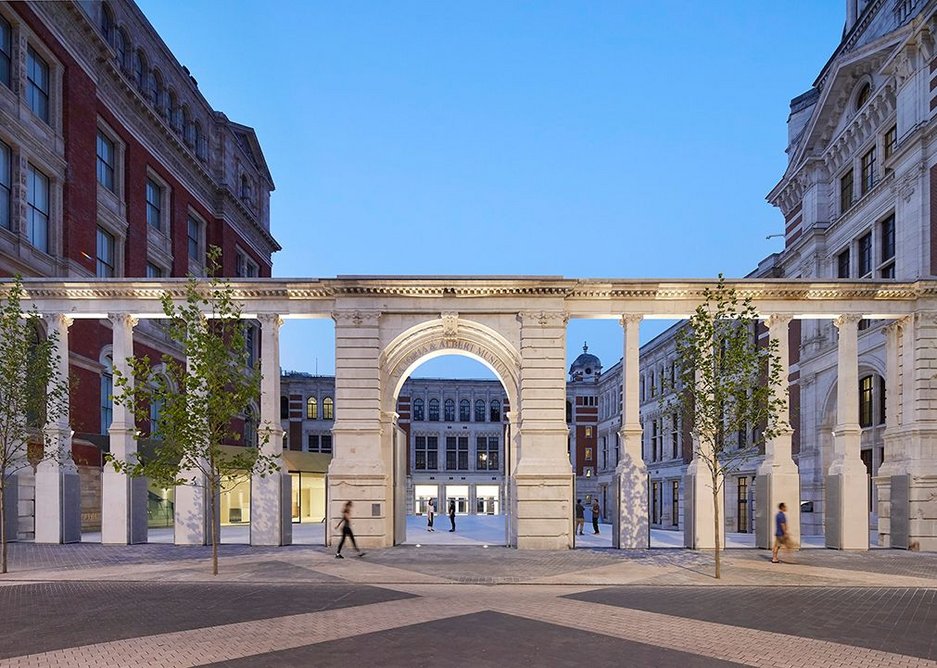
(113, 164)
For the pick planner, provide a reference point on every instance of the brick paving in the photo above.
(158, 605)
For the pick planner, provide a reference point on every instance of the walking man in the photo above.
(595, 516)
(430, 512)
(580, 516)
(452, 514)
(781, 536)
(345, 524)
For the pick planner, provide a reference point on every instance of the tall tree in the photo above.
(198, 399)
(724, 387)
(33, 395)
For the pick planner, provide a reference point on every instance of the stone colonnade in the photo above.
(386, 327)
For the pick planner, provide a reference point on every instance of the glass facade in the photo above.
(236, 500)
(160, 506)
(308, 496)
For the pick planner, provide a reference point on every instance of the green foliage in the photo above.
(33, 395)
(199, 398)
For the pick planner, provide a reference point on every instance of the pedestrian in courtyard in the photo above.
(430, 512)
(580, 516)
(452, 514)
(595, 516)
(782, 537)
(345, 524)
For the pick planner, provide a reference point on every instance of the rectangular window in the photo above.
(742, 498)
(865, 256)
(881, 400)
(152, 271)
(325, 444)
(6, 53)
(105, 148)
(154, 204)
(486, 453)
(419, 450)
(675, 435)
(193, 235)
(891, 141)
(868, 171)
(605, 452)
(105, 254)
(463, 445)
(432, 453)
(451, 453)
(887, 244)
(312, 443)
(865, 402)
(655, 502)
(845, 192)
(37, 213)
(675, 503)
(654, 456)
(842, 264)
(6, 186)
(107, 407)
(37, 85)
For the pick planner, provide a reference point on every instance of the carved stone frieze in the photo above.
(356, 318)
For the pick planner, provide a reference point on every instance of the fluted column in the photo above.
(846, 511)
(778, 480)
(631, 474)
(123, 505)
(271, 523)
(58, 498)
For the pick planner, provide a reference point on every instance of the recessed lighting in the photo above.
(418, 545)
(485, 546)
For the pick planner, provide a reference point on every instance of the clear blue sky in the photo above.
(600, 139)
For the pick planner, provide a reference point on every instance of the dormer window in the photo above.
(864, 94)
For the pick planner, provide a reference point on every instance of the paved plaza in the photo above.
(466, 604)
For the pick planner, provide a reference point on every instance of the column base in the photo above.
(698, 513)
(372, 513)
(771, 489)
(58, 504)
(544, 507)
(846, 509)
(271, 521)
(632, 530)
(191, 525)
(123, 508)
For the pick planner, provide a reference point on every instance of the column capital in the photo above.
(847, 320)
(356, 318)
(630, 319)
(778, 320)
(389, 417)
(543, 318)
(59, 319)
(123, 320)
(896, 325)
(272, 320)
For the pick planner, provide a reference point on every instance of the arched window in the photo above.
(107, 23)
(284, 408)
(123, 48)
(434, 410)
(184, 122)
(199, 141)
(246, 194)
(495, 410)
(107, 391)
(312, 409)
(140, 69)
(418, 415)
(479, 410)
(153, 85)
(449, 411)
(328, 409)
(173, 109)
(161, 98)
(864, 94)
(465, 410)
(156, 409)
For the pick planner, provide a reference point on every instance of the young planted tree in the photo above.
(199, 399)
(33, 395)
(724, 387)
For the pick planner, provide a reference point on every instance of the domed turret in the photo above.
(585, 367)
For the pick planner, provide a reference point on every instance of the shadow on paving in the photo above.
(896, 620)
(58, 615)
(481, 640)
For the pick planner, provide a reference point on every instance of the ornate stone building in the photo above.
(113, 164)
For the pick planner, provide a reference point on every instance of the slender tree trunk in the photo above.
(214, 529)
(3, 522)
(716, 519)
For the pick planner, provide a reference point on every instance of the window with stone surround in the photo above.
(449, 411)
(418, 415)
(864, 256)
(890, 141)
(457, 453)
(845, 192)
(106, 160)
(312, 409)
(434, 410)
(865, 401)
(868, 170)
(886, 228)
(495, 410)
(6, 53)
(105, 254)
(465, 410)
(154, 271)
(37, 212)
(426, 457)
(486, 453)
(37, 84)
(328, 409)
(479, 410)
(6, 186)
(842, 264)
(154, 204)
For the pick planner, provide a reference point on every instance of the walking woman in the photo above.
(345, 524)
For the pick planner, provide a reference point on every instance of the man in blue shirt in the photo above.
(781, 536)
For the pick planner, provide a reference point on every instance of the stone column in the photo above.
(271, 521)
(632, 530)
(123, 503)
(192, 525)
(698, 510)
(847, 492)
(58, 499)
(778, 480)
(358, 471)
(543, 481)
(889, 467)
